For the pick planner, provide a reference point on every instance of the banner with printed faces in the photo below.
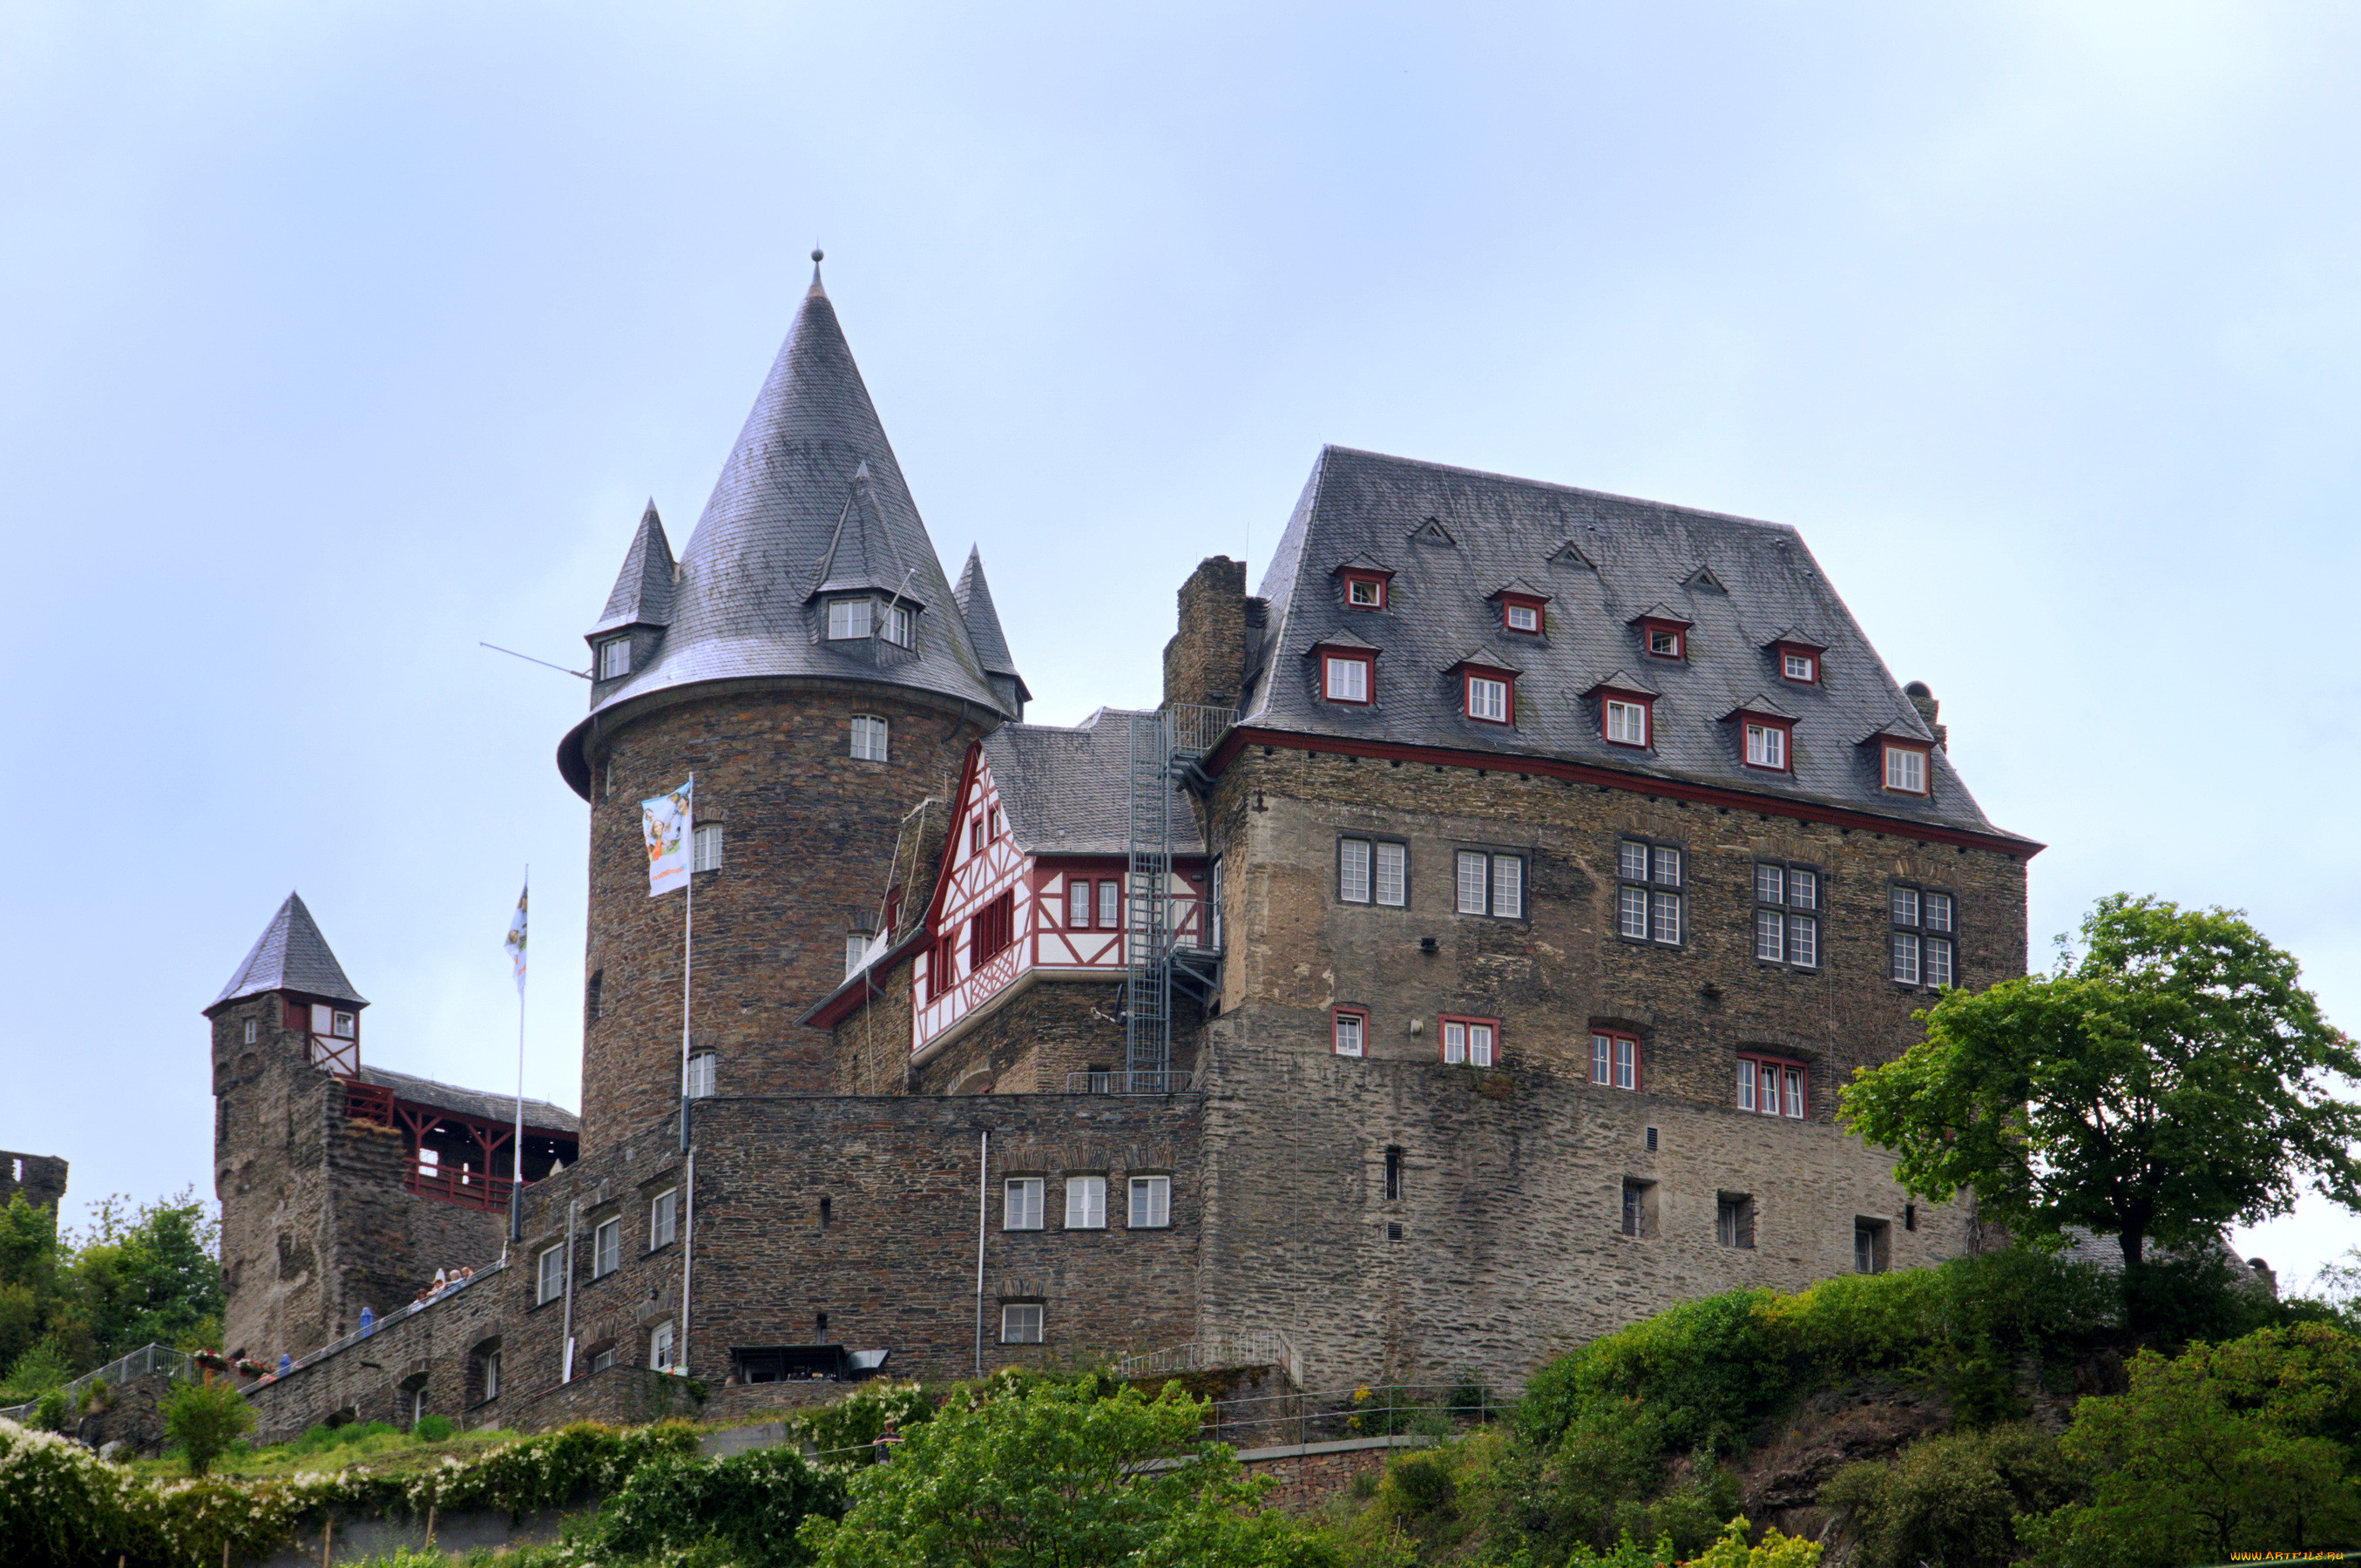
(665, 821)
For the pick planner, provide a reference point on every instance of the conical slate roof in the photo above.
(974, 596)
(290, 955)
(642, 595)
(742, 605)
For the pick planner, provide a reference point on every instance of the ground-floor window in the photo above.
(1020, 1323)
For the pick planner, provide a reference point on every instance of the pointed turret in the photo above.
(784, 574)
(639, 608)
(290, 955)
(974, 597)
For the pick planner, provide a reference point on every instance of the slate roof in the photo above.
(290, 955)
(1644, 558)
(742, 598)
(982, 617)
(1068, 792)
(643, 592)
(500, 1109)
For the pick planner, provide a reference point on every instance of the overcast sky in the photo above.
(339, 338)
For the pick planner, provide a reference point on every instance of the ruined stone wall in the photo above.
(1204, 664)
(808, 835)
(40, 1177)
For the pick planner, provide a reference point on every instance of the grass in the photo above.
(371, 1446)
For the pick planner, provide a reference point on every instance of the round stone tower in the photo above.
(807, 660)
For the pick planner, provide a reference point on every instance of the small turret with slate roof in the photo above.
(974, 596)
(632, 626)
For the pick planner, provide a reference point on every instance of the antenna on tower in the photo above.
(529, 659)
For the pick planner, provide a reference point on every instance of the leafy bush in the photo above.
(1953, 1501)
(749, 1504)
(844, 1430)
(432, 1429)
(1774, 1550)
(1418, 1483)
(51, 1412)
(206, 1421)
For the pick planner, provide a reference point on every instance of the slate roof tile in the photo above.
(290, 955)
(1068, 792)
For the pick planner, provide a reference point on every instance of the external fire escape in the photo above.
(1165, 748)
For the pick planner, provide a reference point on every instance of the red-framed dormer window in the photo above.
(1766, 742)
(1905, 768)
(1522, 613)
(1798, 664)
(1473, 1041)
(1366, 590)
(1490, 697)
(1348, 1032)
(1347, 676)
(1627, 718)
(1665, 639)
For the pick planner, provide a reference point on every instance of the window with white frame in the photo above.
(896, 625)
(1365, 592)
(705, 850)
(1924, 936)
(614, 658)
(1020, 1323)
(700, 1076)
(1111, 905)
(1213, 921)
(1766, 745)
(664, 1218)
(1799, 666)
(869, 737)
(1469, 1040)
(492, 1375)
(1664, 641)
(1489, 882)
(1786, 914)
(1626, 721)
(1020, 1207)
(1487, 699)
(1647, 891)
(1372, 872)
(1086, 1202)
(1733, 1219)
(1344, 678)
(253, 1032)
(1348, 1032)
(549, 1274)
(1520, 617)
(1151, 1203)
(607, 1247)
(660, 1348)
(850, 619)
(1906, 769)
(856, 947)
(1774, 1086)
(1614, 1059)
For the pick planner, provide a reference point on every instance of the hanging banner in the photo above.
(664, 822)
(515, 943)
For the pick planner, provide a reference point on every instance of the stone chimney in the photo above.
(1923, 699)
(1205, 663)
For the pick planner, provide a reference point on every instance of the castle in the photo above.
(1461, 962)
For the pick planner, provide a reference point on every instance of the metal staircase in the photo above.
(1165, 746)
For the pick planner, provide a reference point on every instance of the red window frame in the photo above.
(1336, 1032)
(1540, 607)
(1791, 1073)
(992, 929)
(1650, 627)
(1612, 1059)
(1787, 729)
(1468, 1052)
(1804, 651)
(1469, 675)
(1647, 706)
(942, 965)
(1886, 748)
(975, 835)
(1368, 662)
(1381, 581)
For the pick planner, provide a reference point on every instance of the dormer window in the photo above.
(1904, 767)
(1519, 617)
(1365, 590)
(1626, 719)
(1804, 668)
(1665, 641)
(1766, 744)
(1347, 677)
(1489, 699)
(894, 625)
(850, 619)
(614, 658)
(1521, 606)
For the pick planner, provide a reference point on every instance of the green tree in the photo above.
(749, 1504)
(2240, 1447)
(2170, 1080)
(148, 1274)
(1953, 1501)
(205, 1419)
(1058, 1475)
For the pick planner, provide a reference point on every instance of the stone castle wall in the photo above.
(40, 1177)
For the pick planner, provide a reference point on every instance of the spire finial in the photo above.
(817, 256)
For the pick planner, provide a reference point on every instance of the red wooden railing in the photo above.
(368, 1103)
(472, 1187)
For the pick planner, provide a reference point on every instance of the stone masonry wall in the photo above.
(40, 1177)
(809, 832)
(270, 1129)
(1204, 664)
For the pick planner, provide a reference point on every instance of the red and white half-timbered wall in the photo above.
(999, 912)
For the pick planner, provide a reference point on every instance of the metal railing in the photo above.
(1401, 1409)
(1167, 1081)
(1197, 729)
(379, 1325)
(138, 1364)
(1225, 1348)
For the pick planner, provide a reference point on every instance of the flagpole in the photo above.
(516, 1178)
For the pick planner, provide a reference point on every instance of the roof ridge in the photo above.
(1552, 485)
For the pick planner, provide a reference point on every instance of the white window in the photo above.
(664, 1218)
(1939, 962)
(856, 947)
(1213, 896)
(1393, 878)
(253, 1030)
(1078, 903)
(1353, 870)
(1627, 722)
(1020, 1208)
(607, 1247)
(700, 1076)
(1905, 957)
(1771, 936)
(1020, 1323)
(1905, 770)
(896, 625)
(1766, 746)
(705, 848)
(1525, 617)
(492, 1375)
(1802, 889)
(550, 1274)
(1490, 884)
(660, 1348)
(1648, 900)
(1349, 1029)
(1369, 593)
(868, 738)
(429, 1163)
(1664, 643)
(1803, 941)
(1771, 1087)
(342, 1025)
(1939, 911)
(1924, 926)
(1086, 1202)
(848, 620)
(1798, 667)
(1467, 1040)
(1487, 699)
(1785, 929)
(1905, 900)
(603, 1359)
(1473, 891)
(1151, 1203)
(1665, 917)
(1347, 679)
(1110, 905)
(614, 658)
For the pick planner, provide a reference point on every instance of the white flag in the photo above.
(664, 822)
(515, 943)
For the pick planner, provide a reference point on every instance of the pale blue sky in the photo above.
(340, 336)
